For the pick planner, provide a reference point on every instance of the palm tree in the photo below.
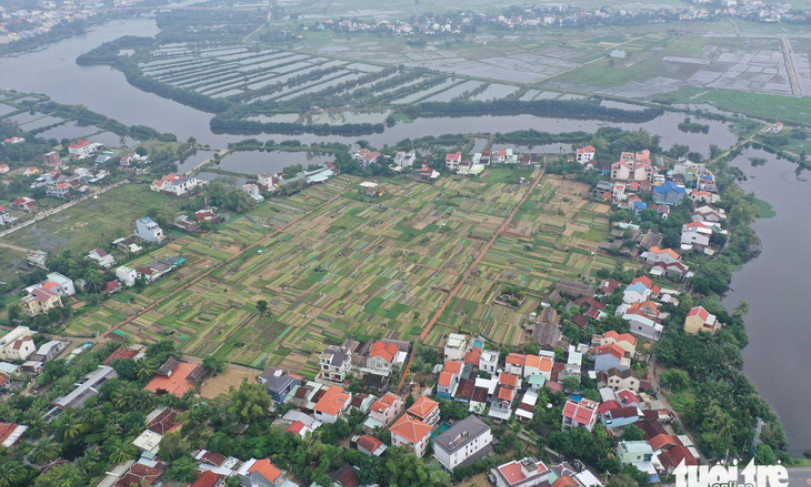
(68, 427)
(9, 474)
(146, 369)
(121, 450)
(44, 452)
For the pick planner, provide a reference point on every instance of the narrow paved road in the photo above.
(785, 46)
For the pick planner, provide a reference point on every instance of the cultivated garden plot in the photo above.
(331, 262)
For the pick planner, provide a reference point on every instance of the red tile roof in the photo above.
(661, 440)
(612, 349)
(423, 407)
(296, 427)
(176, 384)
(120, 354)
(410, 429)
(474, 356)
(515, 359)
(266, 469)
(608, 406)
(625, 337)
(508, 379)
(386, 350)
(5, 430)
(333, 401)
(206, 479)
(369, 443)
(582, 412)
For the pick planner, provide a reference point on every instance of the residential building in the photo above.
(81, 149)
(449, 379)
(371, 446)
(412, 432)
(381, 359)
(425, 409)
(11, 433)
(41, 300)
(17, 344)
(452, 161)
(503, 396)
(7, 218)
(456, 347)
(262, 473)
(656, 255)
(526, 408)
(126, 275)
(386, 408)
(332, 404)
(707, 213)
(174, 184)
(279, 384)
(619, 417)
(633, 167)
(38, 258)
(540, 364)
(336, 364)
(208, 479)
(365, 157)
(49, 351)
(618, 379)
(636, 453)
(254, 192)
(176, 378)
(521, 473)
(699, 319)
(608, 357)
(626, 341)
(148, 230)
(488, 362)
(4, 168)
(579, 414)
(463, 443)
(64, 285)
(695, 236)
(25, 204)
(585, 154)
(101, 256)
(514, 363)
(636, 293)
(88, 387)
(404, 159)
(668, 194)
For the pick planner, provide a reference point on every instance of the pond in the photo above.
(254, 162)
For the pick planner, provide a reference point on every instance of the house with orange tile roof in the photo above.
(449, 379)
(207, 479)
(452, 161)
(514, 363)
(632, 167)
(657, 255)
(332, 404)
(609, 357)
(626, 341)
(579, 414)
(371, 446)
(386, 408)
(41, 300)
(174, 184)
(699, 319)
(175, 378)
(540, 364)
(381, 359)
(425, 409)
(522, 473)
(411, 432)
(585, 154)
(505, 393)
(696, 236)
(262, 473)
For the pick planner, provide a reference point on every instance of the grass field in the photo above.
(364, 268)
(94, 222)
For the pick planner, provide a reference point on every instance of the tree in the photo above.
(250, 402)
(675, 379)
(64, 475)
(141, 151)
(120, 450)
(13, 313)
(622, 480)
(633, 433)
(262, 306)
(44, 452)
(184, 469)
(214, 364)
(173, 446)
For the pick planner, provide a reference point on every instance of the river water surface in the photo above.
(776, 286)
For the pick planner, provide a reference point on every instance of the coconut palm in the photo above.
(44, 452)
(9, 474)
(68, 427)
(121, 450)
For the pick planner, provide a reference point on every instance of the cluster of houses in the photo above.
(479, 160)
(272, 182)
(20, 355)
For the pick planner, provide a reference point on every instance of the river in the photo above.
(776, 358)
(776, 286)
(54, 72)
